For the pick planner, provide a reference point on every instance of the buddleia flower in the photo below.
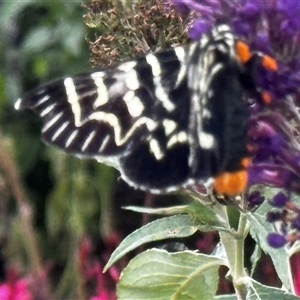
(272, 28)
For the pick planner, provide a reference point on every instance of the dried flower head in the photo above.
(133, 28)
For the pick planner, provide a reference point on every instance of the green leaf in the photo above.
(294, 249)
(258, 291)
(209, 216)
(255, 257)
(263, 292)
(260, 228)
(206, 216)
(229, 244)
(157, 274)
(170, 227)
(296, 199)
(167, 211)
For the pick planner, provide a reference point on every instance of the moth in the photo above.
(166, 121)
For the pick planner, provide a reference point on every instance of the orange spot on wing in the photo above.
(245, 162)
(266, 97)
(243, 51)
(231, 183)
(269, 63)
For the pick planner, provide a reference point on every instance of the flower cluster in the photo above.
(273, 28)
(14, 287)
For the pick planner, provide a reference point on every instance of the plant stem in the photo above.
(9, 168)
(240, 239)
(239, 268)
(234, 247)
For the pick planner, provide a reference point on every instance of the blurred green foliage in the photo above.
(41, 41)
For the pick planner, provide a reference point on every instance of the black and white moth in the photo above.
(166, 121)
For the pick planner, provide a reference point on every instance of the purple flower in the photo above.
(276, 240)
(199, 27)
(255, 198)
(279, 200)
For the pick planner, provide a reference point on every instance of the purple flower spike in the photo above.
(240, 26)
(270, 175)
(251, 11)
(276, 240)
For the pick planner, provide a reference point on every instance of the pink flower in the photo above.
(15, 291)
(103, 296)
